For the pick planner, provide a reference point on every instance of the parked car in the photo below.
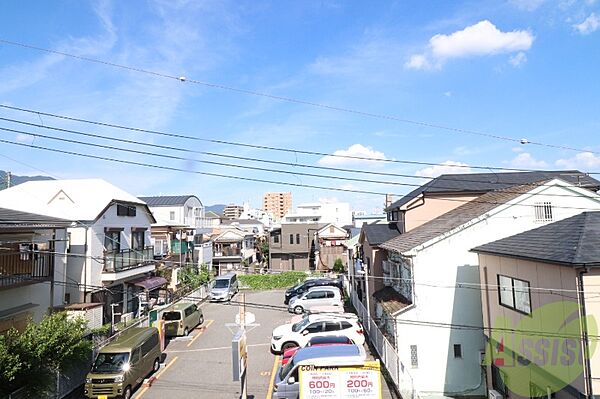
(286, 380)
(182, 318)
(124, 363)
(320, 340)
(224, 287)
(316, 296)
(298, 334)
(301, 288)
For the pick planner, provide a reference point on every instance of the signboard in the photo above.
(357, 382)
(239, 354)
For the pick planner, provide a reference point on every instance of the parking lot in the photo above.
(199, 366)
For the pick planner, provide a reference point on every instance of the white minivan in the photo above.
(316, 296)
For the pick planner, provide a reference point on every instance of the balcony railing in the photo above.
(227, 252)
(126, 259)
(25, 267)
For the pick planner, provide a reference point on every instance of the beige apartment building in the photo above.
(277, 203)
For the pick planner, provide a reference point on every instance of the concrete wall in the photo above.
(439, 265)
(424, 210)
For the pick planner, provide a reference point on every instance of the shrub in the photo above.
(271, 281)
(338, 266)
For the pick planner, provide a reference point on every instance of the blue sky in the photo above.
(516, 68)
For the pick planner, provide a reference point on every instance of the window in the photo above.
(514, 294)
(297, 238)
(136, 356)
(331, 229)
(543, 211)
(291, 238)
(126, 210)
(317, 295)
(149, 344)
(414, 359)
(332, 326)
(112, 241)
(315, 327)
(392, 216)
(68, 242)
(345, 325)
(172, 215)
(330, 294)
(457, 351)
(137, 239)
(276, 238)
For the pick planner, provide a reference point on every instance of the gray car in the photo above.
(224, 287)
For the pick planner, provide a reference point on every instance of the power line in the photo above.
(292, 100)
(110, 159)
(178, 149)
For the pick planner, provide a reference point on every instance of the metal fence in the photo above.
(386, 351)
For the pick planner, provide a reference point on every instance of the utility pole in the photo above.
(8, 179)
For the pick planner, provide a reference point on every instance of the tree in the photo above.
(338, 266)
(55, 344)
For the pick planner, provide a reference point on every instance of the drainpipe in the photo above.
(85, 265)
(586, 348)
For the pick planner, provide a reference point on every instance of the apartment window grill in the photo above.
(543, 211)
(414, 359)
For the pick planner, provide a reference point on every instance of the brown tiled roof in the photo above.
(391, 300)
(455, 218)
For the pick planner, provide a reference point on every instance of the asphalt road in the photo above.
(199, 366)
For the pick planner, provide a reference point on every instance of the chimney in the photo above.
(388, 200)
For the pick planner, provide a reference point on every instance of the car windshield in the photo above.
(286, 369)
(171, 316)
(300, 325)
(221, 284)
(110, 362)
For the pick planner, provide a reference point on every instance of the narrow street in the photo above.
(199, 366)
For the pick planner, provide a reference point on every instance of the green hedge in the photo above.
(271, 281)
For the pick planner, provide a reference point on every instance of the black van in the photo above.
(304, 286)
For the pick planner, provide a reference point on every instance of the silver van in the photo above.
(224, 287)
(316, 297)
(286, 383)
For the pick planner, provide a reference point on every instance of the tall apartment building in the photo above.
(277, 203)
(232, 211)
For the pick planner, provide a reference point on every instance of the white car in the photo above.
(316, 297)
(298, 334)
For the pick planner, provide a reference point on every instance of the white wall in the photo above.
(38, 294)
(444, 264)
(183, 215)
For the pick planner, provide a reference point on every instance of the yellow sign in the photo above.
(330, 382)
(103, 397)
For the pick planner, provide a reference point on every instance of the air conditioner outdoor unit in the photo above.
(492, 394)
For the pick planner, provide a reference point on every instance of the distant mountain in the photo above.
(15, 179)
(218, 208)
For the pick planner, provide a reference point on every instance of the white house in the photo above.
(322, 212)
(33, 260)
(109, 256)
(232, 249)
(431, 304)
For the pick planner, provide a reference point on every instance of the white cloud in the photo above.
(583, 161)
(24, 138)
(448, 93)
(355, 150)
(418, 61)
(527, 5)
(589, 25)
(444, 168)
(480, 39)
(518, 59)
(526, 160)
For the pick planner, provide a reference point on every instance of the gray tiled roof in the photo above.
(378, 233)
(572, 241)
(454, 218)
(485, 182)
(12, 218)
(166, 200)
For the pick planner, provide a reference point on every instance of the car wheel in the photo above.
(288, 345)
(201, 320)
(156, 365)
(186, 331)
(127, 393)
(298, 310)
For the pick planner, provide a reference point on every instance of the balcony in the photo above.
(128, 259)
(20, 268)
(227, 251)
